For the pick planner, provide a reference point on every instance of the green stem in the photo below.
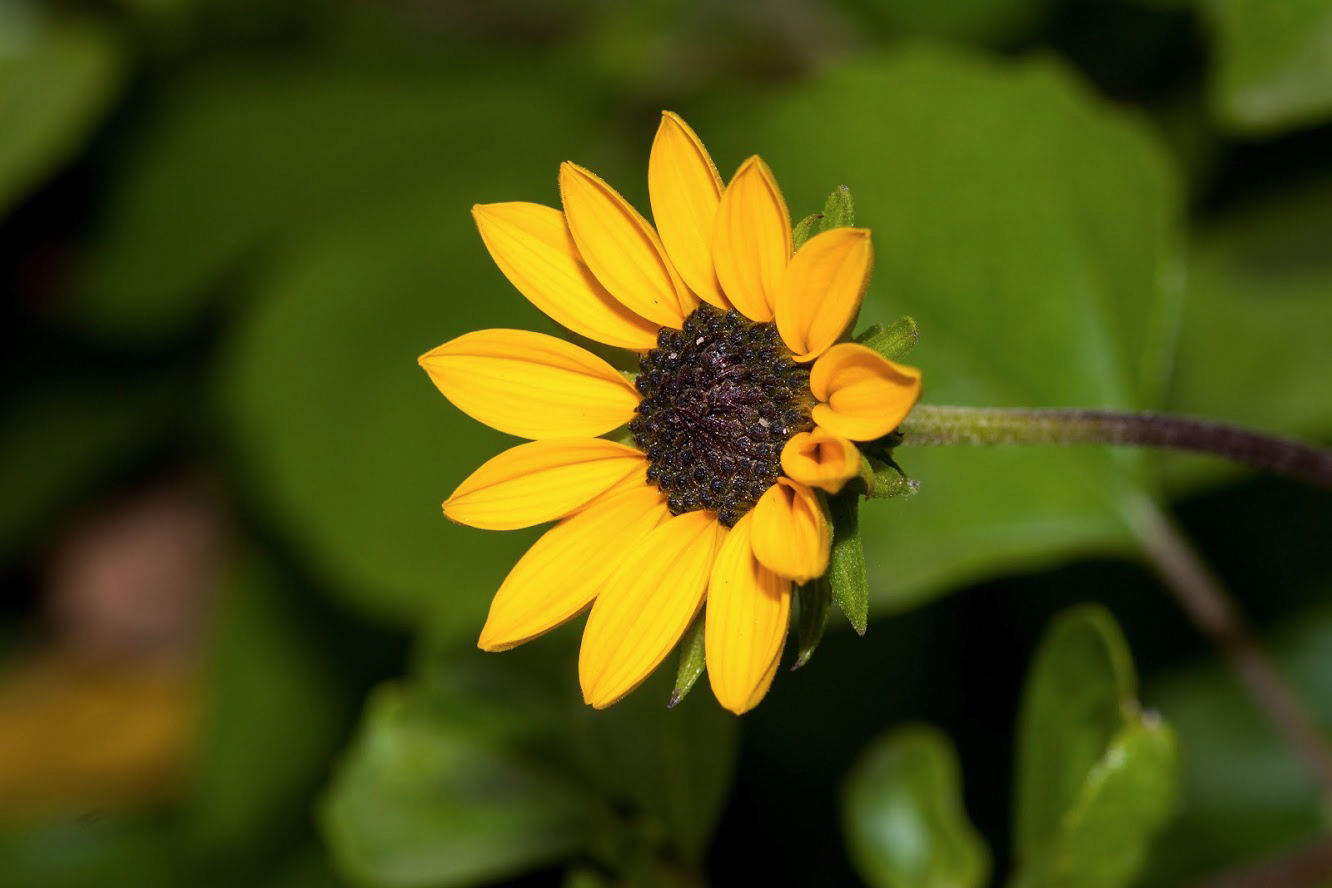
(929, 424)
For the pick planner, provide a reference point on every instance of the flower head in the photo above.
(744, 414)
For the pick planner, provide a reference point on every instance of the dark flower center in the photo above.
(720, 400)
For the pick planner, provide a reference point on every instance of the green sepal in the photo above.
(692, 662)
(894, 341)
(846, 561)
(813, 600)
(839, 211)
(804, 228)
(887, 479)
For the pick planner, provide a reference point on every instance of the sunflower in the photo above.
(701, 483)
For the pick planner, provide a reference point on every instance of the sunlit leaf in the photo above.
(903, 815)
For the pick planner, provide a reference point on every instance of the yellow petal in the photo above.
(622, 249)
(791, 535)
(822, 289)
(865, 395)
(685, 190)
(541, 481)
(749, 607)
(530, 384)
(751, 240)
(646, 605)
(565, 569)
(532, 246)
(820, 459)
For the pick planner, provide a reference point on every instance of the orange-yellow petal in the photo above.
(541, 481)
(820, 459)
(646, 605)
(751, 240)
(530, 384)
(565, 569)
(685, 189)
(822, 289)
(865, 395)
(622, 249)
(791, 535)
(749, 607)
(531, 244)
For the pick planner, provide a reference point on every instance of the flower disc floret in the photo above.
(721, 398)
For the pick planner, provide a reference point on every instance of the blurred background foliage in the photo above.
(237, 636)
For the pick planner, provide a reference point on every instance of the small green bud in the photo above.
(894, 341)
(889, 480)
(692, 661)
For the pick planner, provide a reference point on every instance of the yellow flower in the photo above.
(743, 414)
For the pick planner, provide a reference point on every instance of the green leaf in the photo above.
(803, 229)
(1037, 248)
(813, 601)
(437, 790)
(1253, 337)
(846, 561)
(230, 160)
(58, 78)
(1097, 779)
(1273, 66)
(264, 679)
(903, 816)
(692, 660)
(1126, 799)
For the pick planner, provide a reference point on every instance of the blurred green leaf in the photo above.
(1253, 341)
(971, 21)
(894, 341)
(232, 158)
(433, 792)
(57, 438)
(903, 816)
(692, 657)
(271, 715)
(58, 78)
(813, 601)
(1031, 230)
(1246, 794)
(82, 853)
(1273, 66)
(1096, 779)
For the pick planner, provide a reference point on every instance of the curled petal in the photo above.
(865, 395)
(791, 535)
(751, 240)
(822, 289)
(565, 569)
(541, 481)
(646, 605)
(530, 384)
(531, 244)
(820, 459)
(622, 249)
(749, 607)
(685, 190)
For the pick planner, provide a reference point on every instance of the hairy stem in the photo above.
(929, 424)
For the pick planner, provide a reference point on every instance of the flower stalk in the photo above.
(930, 424)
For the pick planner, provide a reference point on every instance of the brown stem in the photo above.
(1207, 604)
